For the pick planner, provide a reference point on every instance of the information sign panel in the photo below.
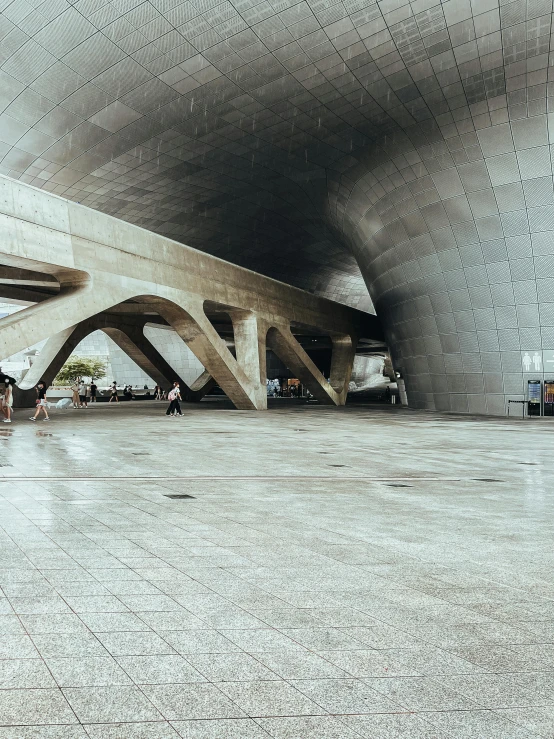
(548, 398)
(534, 397)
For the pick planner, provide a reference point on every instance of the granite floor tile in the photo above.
(13, 646)
(232, 666)
(76, 672)
(110, 704)
(420, 693)
(299, 665)
(171, 620)
(192, 701)
(163, 668)
(395, 726)
(538, 720)
(54, 623)
(326, 638)
(262, 640)
(112, 622)
(478, 724)
(371, 663)
(497, 691)
(95, 604)
(347, 696)
(69, 645)
(199, 641)
(25, 673)
(43, 732)
(132, 730)
(242, 728)
(270, 698)
(34, 707)
(39, 605)
(10, 624)
(134, 643)
(306, 727)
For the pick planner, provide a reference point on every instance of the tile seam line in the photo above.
(240, 477)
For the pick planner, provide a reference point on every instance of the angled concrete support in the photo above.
(130, 338)
(48, 363)
(342, 361)
(291, 353)
(128, 333)
(54, 315)
(240, 382)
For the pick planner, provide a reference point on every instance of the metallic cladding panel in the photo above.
(316, 141)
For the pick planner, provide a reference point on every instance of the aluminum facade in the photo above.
(311, 140)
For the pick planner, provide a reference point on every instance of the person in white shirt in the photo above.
(83, 393)
(174, 396)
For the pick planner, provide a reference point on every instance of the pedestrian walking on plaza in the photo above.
(75, 393)
(8, 400)
(93, 389)
(174, 396)
(42, 402)
(113, 393)
(83, 394)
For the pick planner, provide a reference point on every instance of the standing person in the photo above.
(42, 402)
(83, 393)
(75, 393)
(174, 396)
(93, 389)
(113, 392)
(8, 400)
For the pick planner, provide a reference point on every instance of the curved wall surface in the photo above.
(327, 143)
(454, 234)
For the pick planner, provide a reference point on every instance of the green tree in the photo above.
(79, 367)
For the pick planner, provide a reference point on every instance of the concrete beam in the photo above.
(101, 262)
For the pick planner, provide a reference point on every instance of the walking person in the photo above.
(75, 393)
(113, 392)
(83, 394)
(7, 403)
(42, 402)
(93, 389)
(174, 396)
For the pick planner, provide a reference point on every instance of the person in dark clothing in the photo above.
(93, 389)
(113, 393)
(174, 396)
(42, 402)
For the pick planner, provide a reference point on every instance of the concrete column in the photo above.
(342, 360)
(250, 343)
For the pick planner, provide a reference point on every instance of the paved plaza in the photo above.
(337, 573)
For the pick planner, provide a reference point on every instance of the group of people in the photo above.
(82, 392)
(6, 400)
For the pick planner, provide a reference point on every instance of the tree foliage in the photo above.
(79, 367)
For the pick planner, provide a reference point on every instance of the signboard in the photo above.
(534, 397)
(532, 361)
(549, 397)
